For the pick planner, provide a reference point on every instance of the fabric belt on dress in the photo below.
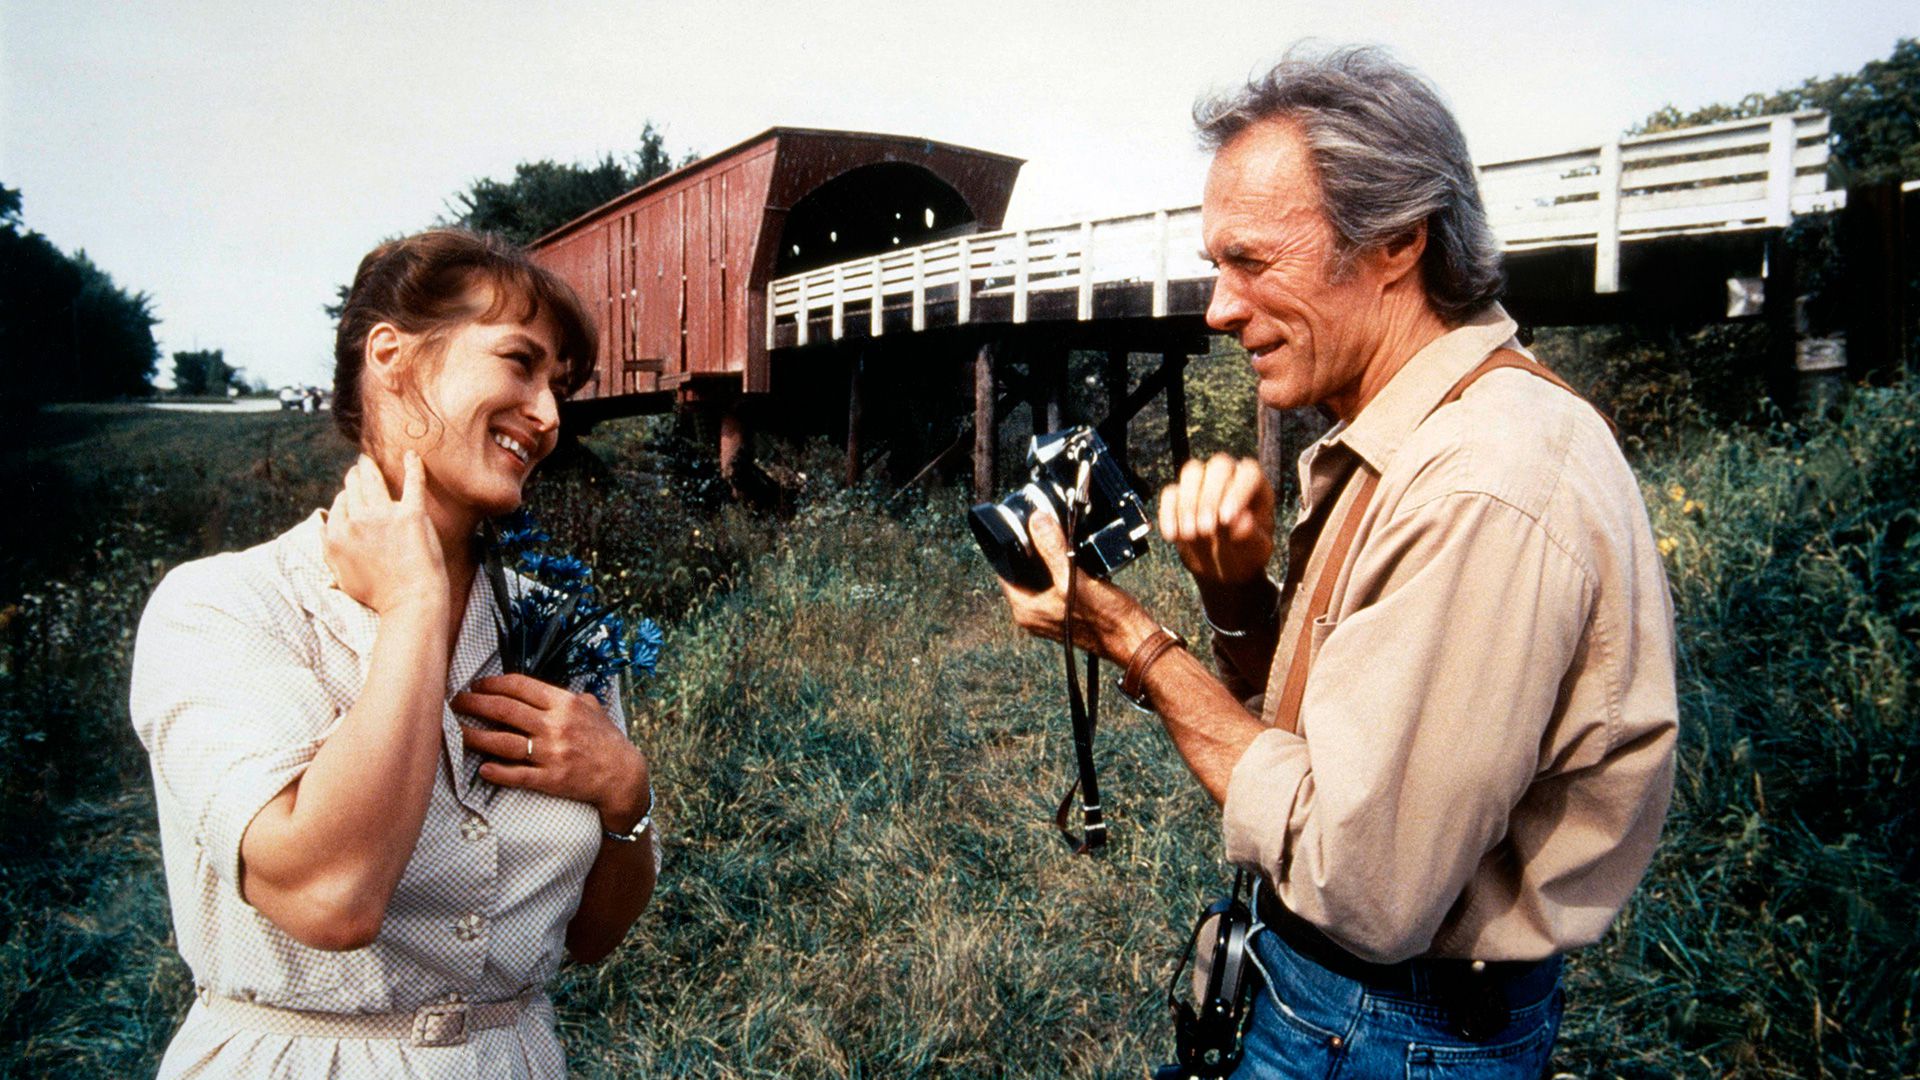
(1478, 995)
(443, 1024)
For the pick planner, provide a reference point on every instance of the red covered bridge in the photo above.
(677, 270)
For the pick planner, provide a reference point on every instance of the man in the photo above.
(1445, 742)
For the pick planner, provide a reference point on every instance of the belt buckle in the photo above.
(440, 1025)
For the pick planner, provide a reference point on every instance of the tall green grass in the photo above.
(857, 761)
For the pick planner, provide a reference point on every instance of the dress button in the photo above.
(469, 927)
(474, 828)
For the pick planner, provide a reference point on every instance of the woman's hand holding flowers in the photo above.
(577, 753)
(384, 551)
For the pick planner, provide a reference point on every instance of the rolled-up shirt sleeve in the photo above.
(1421, 725)
(230, 711)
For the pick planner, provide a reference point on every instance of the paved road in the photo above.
(237, 405)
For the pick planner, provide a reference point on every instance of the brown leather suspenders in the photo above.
(1287, 718)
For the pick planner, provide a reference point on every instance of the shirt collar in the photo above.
(303, 562)
(1416, 389)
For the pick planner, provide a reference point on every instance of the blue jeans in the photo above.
(1310, 1022)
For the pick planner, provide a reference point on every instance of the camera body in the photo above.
(1112, 527)
(1208, 1031)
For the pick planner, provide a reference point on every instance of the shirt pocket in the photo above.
(1317, 634)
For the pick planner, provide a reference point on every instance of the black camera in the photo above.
(1109, 531)
(1207, 1033)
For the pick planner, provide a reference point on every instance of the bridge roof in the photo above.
(764, 142)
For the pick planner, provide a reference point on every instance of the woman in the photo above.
(352, 900)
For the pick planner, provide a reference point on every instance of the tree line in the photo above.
(67, 331)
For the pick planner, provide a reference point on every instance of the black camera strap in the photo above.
(1085, 710)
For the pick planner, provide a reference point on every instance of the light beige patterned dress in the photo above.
(244, 664)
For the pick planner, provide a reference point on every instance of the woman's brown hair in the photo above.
(432, 283)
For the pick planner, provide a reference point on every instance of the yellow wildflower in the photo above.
(1689, 507)
(1667, 544)
(1676, 492)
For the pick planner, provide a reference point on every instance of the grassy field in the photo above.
(857, 761)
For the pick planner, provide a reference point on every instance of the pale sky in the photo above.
(235, 160)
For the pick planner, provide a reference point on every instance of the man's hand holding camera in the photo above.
(1218, 515)
(1107, 621)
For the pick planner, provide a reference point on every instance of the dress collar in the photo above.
(303, 562)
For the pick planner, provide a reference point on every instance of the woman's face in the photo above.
(494, 413)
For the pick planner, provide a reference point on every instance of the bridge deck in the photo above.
(1737, 176)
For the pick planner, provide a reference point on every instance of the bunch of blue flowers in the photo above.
(552, 623)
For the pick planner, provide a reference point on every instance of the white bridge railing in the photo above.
(1727, 177)
(1151, 248)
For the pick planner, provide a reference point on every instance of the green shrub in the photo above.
(1774, 933)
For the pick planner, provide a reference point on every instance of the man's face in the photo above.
(1309, 335)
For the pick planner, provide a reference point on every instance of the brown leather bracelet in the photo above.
(1133, 682)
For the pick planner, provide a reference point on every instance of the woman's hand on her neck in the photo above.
(384, 551)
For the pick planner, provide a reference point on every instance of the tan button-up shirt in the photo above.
(1485, 753)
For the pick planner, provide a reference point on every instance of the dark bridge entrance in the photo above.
(867, 211)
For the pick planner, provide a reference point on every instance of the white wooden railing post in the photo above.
(919, 289)
(1085, 307)
(839, 300)
(1606, 240)
(963, 299)
(1780, 172)
(769, 318)
(1020, 277)
(802, 310)
(1160, 244)
(875, 302)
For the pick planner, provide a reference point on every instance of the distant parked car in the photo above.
(303, 398)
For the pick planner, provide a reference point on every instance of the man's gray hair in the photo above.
(1389, 155)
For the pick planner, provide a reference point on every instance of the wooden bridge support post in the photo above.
(1783, 334)
(1873, 230)
(734, 437)
(986, 431)
(1113, 379)
(1284, 435)
(856, 381)
(1177, 446)
(1054, 386)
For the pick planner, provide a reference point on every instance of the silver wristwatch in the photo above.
(640, 827)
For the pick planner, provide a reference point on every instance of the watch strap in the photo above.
(1133, 682)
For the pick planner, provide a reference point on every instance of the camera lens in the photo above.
(1001, 531)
